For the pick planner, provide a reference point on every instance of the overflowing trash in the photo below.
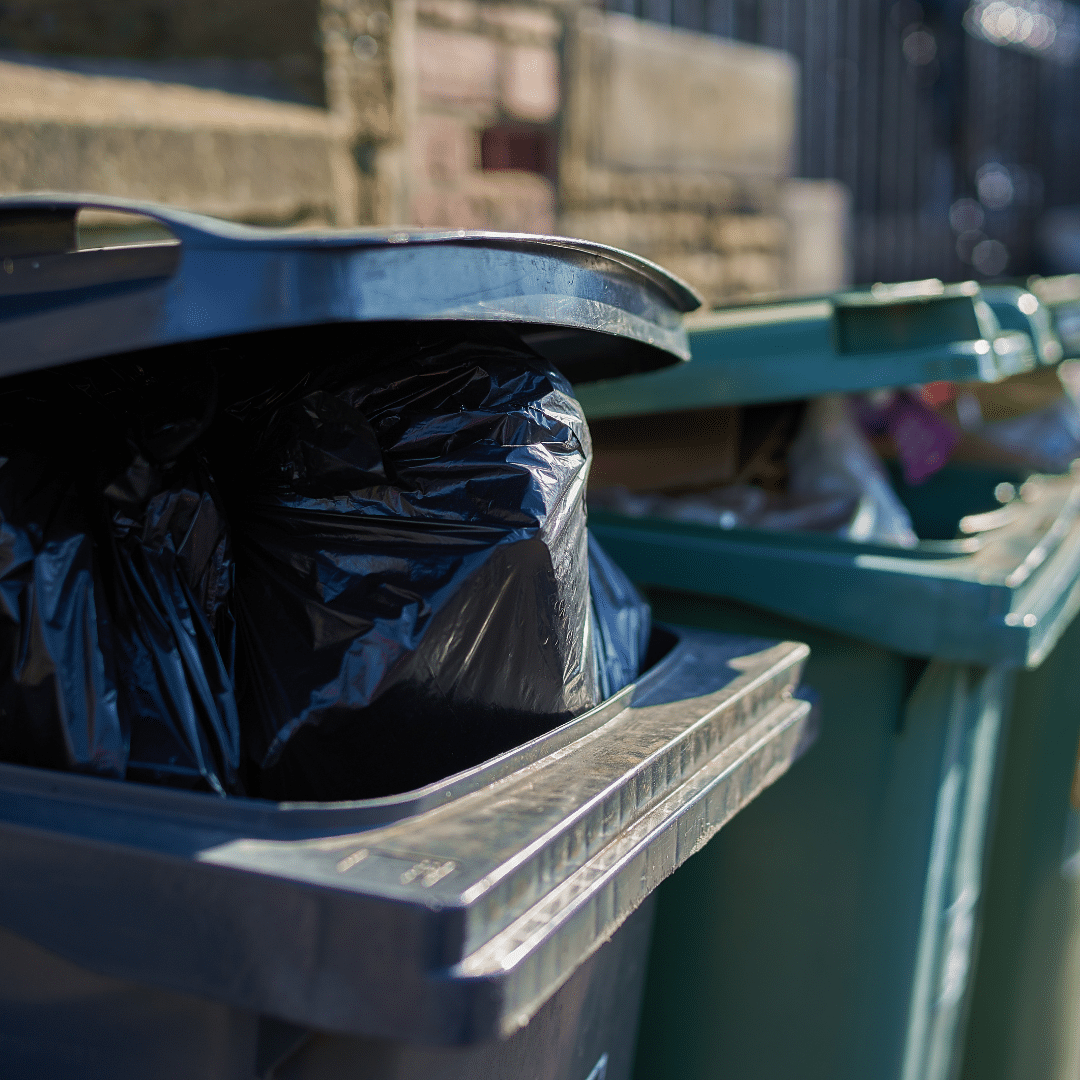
(1032, 422)
(825, 477)
(249, 573)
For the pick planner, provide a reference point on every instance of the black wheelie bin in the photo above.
(490, 921)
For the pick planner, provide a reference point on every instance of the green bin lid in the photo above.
(1061, 295)
(890, 335)
(1019, 309)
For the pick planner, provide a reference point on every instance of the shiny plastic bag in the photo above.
(116, 639)
(172, 580)
(831, 458)
(621, 622)
(58, 680)
(411, 562)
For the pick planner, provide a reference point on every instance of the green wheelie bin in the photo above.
(835, 925)
(1025, 1003)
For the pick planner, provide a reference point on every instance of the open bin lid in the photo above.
(890, 335)
(1020, 309)
(1061, 296)
(597, 311)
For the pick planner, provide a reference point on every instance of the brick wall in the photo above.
(486, 94)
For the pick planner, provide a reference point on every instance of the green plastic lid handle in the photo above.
(894, 335)
(1020, 309)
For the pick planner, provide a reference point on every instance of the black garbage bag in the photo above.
(621, 622)
(411, 559)
(412, 572)
(171, 570)
(59, 703)
(116, 635)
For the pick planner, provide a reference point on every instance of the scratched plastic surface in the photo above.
(601, 310)
(447, 915)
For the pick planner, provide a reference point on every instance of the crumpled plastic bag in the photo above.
(412, 572)
(172, 571)
(1047, 440)
(924, 440)
(832, 458)
(116, 639)
(835, 484)
(399, 591)
(621, 622)
(58, 690)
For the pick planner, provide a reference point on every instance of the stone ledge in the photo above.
(219, 153)
(30, 93)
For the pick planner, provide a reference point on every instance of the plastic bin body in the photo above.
(62, 1021)
(493, 924)
(1025, 1008)
(1061, 296)
(853, 928)
(1018, 309)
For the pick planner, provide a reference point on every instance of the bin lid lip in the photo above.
(201, 230)
(586, 289)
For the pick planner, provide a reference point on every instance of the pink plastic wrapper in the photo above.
(924, 441)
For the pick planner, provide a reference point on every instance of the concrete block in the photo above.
(641, 232)
(749, 232)
(286, 36)
(514, 202)
(707, 271)
(529, 82)
(522, 24)
(584, 187)
(647, 98)
(456, 68)
(818, 215)
(446, 149)
(219, 153)
(754, 274)
(454, 14)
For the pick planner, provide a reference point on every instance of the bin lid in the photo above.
(1019, 309)
(591, 309)
(1061, 295)
(890, 335)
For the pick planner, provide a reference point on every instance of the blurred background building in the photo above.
(753, 146)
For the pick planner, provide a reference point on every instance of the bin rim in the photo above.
(488, 901)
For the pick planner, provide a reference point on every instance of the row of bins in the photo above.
(519, 906)
(878, 912)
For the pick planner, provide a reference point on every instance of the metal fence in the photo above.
(952, 146)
